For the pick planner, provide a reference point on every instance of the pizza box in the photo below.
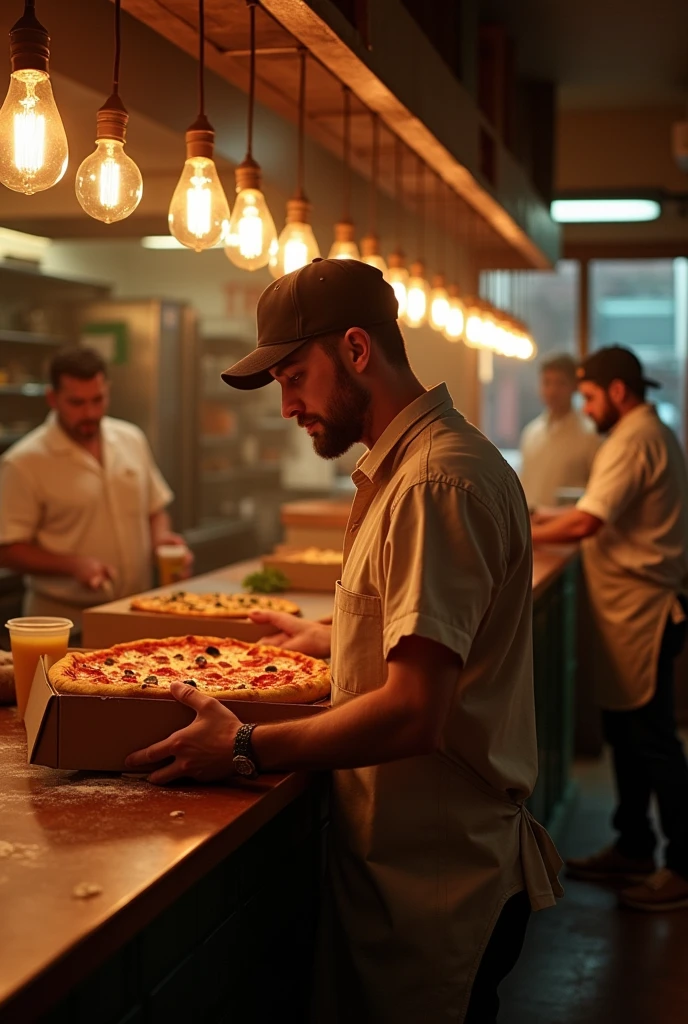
(315, 523)
(303, 575)
(89, 733)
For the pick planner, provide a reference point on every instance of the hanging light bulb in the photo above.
(439, 303)
(344, 246)
(398, 277)
(473, 330)
(370, 244)
(108, 183)
(297, 244)
(251, 236)
(417, 291)
(199, 211)
(417, 294)
(33, 143)
(456, 319)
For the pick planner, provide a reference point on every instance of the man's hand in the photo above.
(92, 573)
(202, 751)
(294, 634)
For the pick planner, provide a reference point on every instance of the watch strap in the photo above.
(242, 741)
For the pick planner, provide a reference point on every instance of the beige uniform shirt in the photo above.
(556, 454)
(425, 851)
(56, 494)
(638, 561)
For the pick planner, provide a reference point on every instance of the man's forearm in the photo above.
(31, 558)
(160, 526)
(371, 729)
(567, 528)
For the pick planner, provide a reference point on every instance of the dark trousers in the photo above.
(649, 758)
(499, 958)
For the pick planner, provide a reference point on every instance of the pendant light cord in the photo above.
(398, 188)
(374, 175)
(118, 46)
(420, 206)
(300, 163)
(201, 57)
(252, 76)
(346, 190)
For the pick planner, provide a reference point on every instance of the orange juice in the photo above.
(30, 638)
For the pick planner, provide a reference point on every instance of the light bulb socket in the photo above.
(29, 44)
(248, 174)
(112, 120)
(344, 231)
(417, 269)
(298, 210)
(370, 245)
(200, 139)
(397, 259)
(439, 281)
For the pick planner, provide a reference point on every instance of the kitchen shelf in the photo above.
(28, 390)
(30, 338)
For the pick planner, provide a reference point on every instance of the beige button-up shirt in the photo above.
(637, 563)
(426, 850)
(556, 454)
(56, 494)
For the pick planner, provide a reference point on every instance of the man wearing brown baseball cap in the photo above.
(434, 861)
(633, 520)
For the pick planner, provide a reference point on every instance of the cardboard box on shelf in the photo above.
(91, 733)
(316, 522)
(304, 574)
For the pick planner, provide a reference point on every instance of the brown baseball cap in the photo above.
(615, 363)
(321, 298)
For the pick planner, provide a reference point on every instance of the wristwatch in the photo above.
(243, 759)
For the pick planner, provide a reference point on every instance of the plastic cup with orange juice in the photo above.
(171, 563)
(31, 637)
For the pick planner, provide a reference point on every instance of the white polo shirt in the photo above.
(637, 563)
(556, 453)
(56, 494)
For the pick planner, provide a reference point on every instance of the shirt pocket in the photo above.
(358, 664)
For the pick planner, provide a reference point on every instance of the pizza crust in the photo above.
(70, 674)
(191, 605)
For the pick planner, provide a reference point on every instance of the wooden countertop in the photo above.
(548, 564)
(59, 829)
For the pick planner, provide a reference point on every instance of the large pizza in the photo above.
(224, 668)
(214, 606)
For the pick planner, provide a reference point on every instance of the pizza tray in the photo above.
(89, 733)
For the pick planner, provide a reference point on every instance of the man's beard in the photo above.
(84, 431)
(608, 419)
(347, 413)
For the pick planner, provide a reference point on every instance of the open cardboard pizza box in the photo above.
(303, 575)
(89, 733)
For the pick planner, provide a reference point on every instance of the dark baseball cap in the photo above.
(321, 298)
(614, 363)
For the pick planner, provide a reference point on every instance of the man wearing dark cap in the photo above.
(633, 520)
(434, 860)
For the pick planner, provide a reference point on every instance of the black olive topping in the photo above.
(128, 672)
(179, 657)
(270, 668)
(213, 651)
(109, 661)
(240, 686)
(200, 660)
(191, 682)
(153, 680)
(218, 604)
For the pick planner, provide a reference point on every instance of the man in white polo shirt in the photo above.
(633, 520)
(82, 503)
(559, 445)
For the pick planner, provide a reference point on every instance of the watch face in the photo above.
(243, 766)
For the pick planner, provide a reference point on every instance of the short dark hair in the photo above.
(388, 338)
(76, 361)
(561, 363)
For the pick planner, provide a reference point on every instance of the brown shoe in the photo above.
(664, 890)
(609, 865)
